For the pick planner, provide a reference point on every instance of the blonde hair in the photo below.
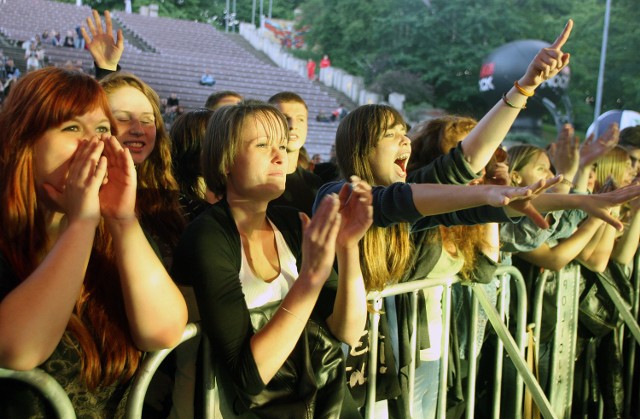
(614, 164)
(518, 156)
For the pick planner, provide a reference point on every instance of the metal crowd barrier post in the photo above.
(47, 386)
(505, 274)
(473, 359)
(511, 347)
(377, 297)
(631, 358)
(625, 313)
(147, 369)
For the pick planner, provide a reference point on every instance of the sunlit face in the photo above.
(260, 168)
(634, 154)
(629, 173)
(591, 181)
(297, 115)
(537, 169)
(52, 152)
(135, 121)
(389, 158)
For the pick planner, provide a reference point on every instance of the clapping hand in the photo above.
(356, 210)
(592, 149)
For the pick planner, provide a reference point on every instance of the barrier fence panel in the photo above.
(377, 299)
(561, 372)
(147, 369)
(47, 386)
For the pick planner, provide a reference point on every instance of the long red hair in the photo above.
(42, 100)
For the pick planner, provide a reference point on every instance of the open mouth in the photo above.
(402, 161)
(134, 145)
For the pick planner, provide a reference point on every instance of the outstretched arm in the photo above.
(482, 141)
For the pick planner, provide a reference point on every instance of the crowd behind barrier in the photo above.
(141, 240)
(515, 347)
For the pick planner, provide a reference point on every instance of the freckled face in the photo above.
(259, 169)
(390, 156)
(135, 121)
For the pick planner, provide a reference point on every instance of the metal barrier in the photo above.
(147, 369)
(47, 386)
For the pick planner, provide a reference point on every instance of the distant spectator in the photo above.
(173, 100)
(338, 113)
(311, 69)
(207, 79)
(325, 62)
(317, 158)
(12, 74)
(322, 117)
(56, 39)
(45, 38)
(222, 98)
(69, 40)
(33, 63)
(78, 41)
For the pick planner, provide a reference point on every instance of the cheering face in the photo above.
(260, 167)
(537, 169)
(135, 120)
(296, 115)
(53, 151)
(389, 158)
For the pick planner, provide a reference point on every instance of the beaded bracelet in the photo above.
(511, 105)
(523, 91)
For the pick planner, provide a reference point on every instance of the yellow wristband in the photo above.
(523, 91)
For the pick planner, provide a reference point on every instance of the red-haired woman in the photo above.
(82, 291)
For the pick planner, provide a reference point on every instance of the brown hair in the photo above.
(437, 137)
(430, 141)
(356, 138)
(518, 156)
(41, 100)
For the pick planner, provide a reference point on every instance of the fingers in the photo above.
(107, 22)
(610, 219)
(120, 39)
(531, 212)
(563, 37)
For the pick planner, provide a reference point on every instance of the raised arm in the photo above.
(35, 314)
(348, 319)
(482, 141)
(105, 50)
(565, 157)
(156, 310)
(590, 151)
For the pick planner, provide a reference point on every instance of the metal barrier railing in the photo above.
(147, 369)
(47, 386)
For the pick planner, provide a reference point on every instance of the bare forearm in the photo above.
(626, 246)
(599, 255)
(480, 144)
(347, 321)
(272, 345)
(155, 308)
(34, 316)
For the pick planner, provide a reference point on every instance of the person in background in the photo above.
(302, 185)
(222, 98)
(311, 69)
(207, 78)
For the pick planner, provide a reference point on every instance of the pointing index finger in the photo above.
(562, 38)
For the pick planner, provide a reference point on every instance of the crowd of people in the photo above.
(117, 229)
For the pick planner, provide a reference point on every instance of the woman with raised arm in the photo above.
(82, 291)
(263, 276)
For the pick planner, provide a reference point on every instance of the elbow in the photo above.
(166, 337)
(20, 360)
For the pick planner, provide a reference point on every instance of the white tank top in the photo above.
(258, 292)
